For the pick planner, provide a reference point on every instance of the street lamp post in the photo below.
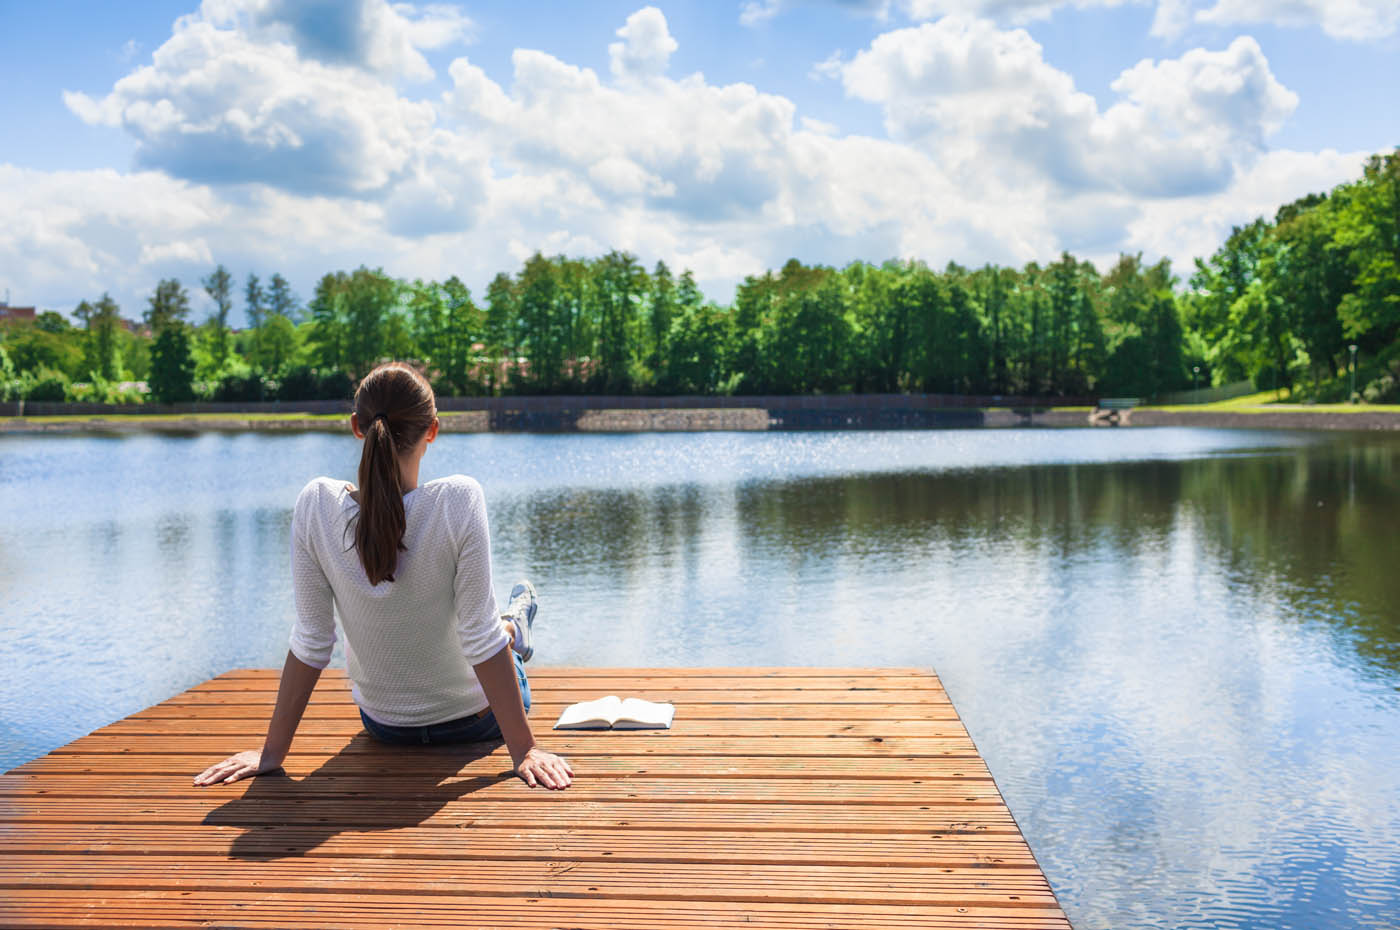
(1351, 398)
(1195, 378)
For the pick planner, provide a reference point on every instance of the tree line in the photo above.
(1281, 302)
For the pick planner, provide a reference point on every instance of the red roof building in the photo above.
(10, 314)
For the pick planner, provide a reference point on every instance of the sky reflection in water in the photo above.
(1178, 650)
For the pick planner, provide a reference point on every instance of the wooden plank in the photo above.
(735, 847)
(574, 672)
(682, 726)
(527, 810)
(581, 743)
(569, 695)
(546, 711)
(457, 761)
(504, 787)
(82, 907)
(785, 884)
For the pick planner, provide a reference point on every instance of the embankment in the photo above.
(661, 414)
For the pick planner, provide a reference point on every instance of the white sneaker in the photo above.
(520, 611)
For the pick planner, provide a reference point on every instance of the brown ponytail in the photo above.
(394, 407)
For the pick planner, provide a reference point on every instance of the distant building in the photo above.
(10, 314)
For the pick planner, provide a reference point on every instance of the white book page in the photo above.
(590, 715)
(637, 714)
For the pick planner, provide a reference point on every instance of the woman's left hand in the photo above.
(242, 765)
(544, 768)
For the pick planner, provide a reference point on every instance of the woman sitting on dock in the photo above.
(429, 657)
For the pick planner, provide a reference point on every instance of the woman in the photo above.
(429, 658)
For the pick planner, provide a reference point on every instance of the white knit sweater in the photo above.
(410, 644)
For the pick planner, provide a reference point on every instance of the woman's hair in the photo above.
(394, 406)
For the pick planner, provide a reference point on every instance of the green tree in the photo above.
(465, 326)
(882, 325)
(694, 349)
(1265, 323)
(50, 321)
(280, 299)
(172, 366)
(661, 309)
(992, 286)
(619, 285)
(373, 328)
(1314, 272)
(255, 306)
(170, 304)
(219, 286)
(278, 343)
(1219, 282)
(101, 320)
(502, 348)
(327, 340)
(1368, 225)
(544, 323)
(32, 349)
(806, 344)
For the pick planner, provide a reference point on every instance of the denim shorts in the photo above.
(469, 729)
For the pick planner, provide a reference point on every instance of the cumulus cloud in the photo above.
(646, 45)
(1341, 19)
(373, 35)
(1190, 227)
(225, 101)
(703, 151)
(984, 98)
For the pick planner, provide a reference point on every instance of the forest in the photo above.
(1306, 303)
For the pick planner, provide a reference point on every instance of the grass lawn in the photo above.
(179, 417)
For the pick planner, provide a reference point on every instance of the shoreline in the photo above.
(729, 418)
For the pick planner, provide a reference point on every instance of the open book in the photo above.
(612, 711)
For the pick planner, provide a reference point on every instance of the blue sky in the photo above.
(146, 140)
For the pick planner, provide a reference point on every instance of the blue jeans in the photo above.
(468, 729)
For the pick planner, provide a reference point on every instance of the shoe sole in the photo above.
(531, 609)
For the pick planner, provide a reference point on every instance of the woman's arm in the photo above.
(293, 691)
(537, 767)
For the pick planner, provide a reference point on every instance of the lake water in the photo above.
(1177, 649)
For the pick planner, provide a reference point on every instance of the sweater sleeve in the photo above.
(313, 632)
(478, 618)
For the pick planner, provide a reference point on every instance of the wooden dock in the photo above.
(782, 798)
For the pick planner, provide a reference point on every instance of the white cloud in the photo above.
(646, 45)
(179, 252)
(1189, 227)
(1341, 19)
(986, 101)
(374, 35)
(1173, 17)
(702, 151)
(218, 106)
(754, 12)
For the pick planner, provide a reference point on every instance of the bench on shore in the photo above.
(1113, 411)
(782, 798)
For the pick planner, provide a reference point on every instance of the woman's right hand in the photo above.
(241, 765)
(545, 768)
